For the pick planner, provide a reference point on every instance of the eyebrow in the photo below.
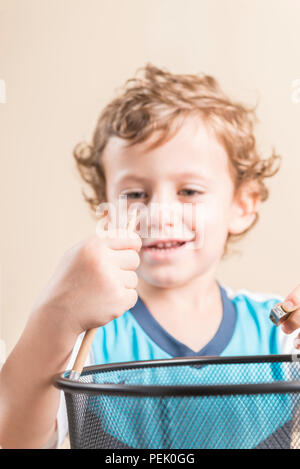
(174, 176)
(130, 177)
(191, 175)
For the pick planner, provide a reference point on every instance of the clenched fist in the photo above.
(95, 281)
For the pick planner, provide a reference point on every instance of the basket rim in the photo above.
(73, 386)
(77, 387)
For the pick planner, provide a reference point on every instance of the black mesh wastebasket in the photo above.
(199, 402)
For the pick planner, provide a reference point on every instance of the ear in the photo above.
(244, 207)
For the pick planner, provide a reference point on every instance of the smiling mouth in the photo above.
(164, 245)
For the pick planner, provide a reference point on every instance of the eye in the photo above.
(190, 192)
(135, 195)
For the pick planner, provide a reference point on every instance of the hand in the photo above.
(292, 323)
(94, 283)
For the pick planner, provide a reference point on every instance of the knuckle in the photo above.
(118, 303)
(124, 301)
(295, 295)
(86, 255)
(132, 298)
(137, 241)
(291, 324)
(135, 259)
(133, 279)
(133, 239)
(87, 247)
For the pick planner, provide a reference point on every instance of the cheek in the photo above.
(210, 221)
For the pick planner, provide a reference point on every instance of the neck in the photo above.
(191, 313)
(198, 295)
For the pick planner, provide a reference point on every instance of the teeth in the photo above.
(166, 245)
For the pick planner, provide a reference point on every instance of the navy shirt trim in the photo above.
(174, 347)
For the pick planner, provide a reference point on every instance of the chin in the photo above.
(163, 279)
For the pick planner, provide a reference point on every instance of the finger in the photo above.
(292, 323)
(127, 259)
(297, 342)
(122, 239)
(102, 223)
(132, 220)
(292, 300)
(130, 278)
(131, 297)
(291, 305)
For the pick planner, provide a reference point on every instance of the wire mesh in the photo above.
(188, 405)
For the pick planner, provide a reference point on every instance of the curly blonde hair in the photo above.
(153, 101)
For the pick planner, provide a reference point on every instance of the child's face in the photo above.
(185, 177)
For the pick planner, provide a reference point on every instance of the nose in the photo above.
(164, 212)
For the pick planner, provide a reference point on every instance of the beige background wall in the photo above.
(62, 60)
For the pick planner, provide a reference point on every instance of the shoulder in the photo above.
(254, 303)
(253, 310)
(251, 296)
(253, 306)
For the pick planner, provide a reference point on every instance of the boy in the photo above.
(172, 141)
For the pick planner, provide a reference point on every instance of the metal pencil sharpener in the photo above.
(278, 314)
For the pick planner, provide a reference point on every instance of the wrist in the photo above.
(54, 330)
(56, 319)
